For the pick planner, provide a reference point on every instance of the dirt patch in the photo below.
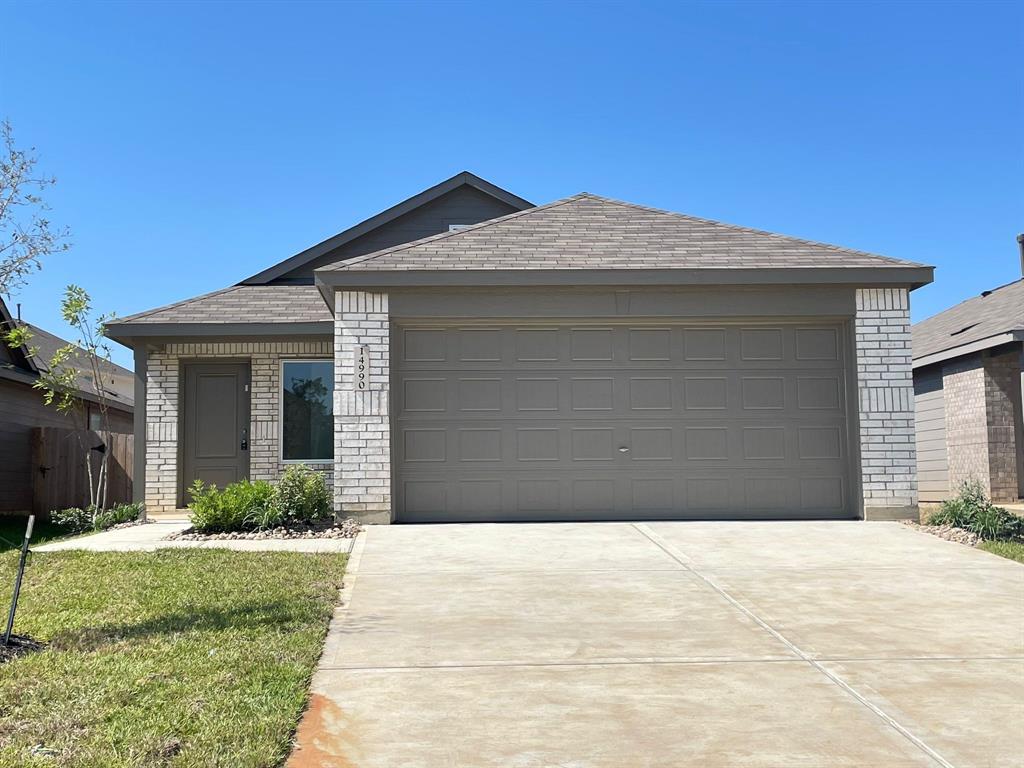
(347, 529)
(324, 738)
(20, 646)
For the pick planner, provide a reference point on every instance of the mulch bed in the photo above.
(347, 529)
(20, 645)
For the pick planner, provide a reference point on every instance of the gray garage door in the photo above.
(598, 421)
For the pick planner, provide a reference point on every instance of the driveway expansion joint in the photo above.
(685, 561)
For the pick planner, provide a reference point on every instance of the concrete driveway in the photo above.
(616, 645)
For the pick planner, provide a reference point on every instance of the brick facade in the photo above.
(1002, 382)
(885, 395)
(362, 436)
(163, 406)
(979, 394)
(963, 392)
(361, 470)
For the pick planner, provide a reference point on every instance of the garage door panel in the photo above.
(570, 394)
(780, 444)
(594, 421)
(581, 347)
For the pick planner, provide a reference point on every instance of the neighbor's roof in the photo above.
(241, 304)
(119, 382)
(587, 232)
(974, 324)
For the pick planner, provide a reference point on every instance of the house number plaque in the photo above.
(361, 368)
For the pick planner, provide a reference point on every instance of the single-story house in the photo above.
(968, 364)
(469, 356)
(22, 407)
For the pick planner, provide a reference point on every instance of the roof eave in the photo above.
(328, 280)
(21, 377)
(126, 333)
(1006, 337)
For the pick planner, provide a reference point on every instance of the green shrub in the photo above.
(953, 512)
(972, 510)
(117, 514)
(265, 516)
(230, 509)
(72, 519)
(302, 495)
(77, 520)
(994, 523)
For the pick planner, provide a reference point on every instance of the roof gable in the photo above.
(19, 356)
(464, 198)
(988, 316)
(587, 232)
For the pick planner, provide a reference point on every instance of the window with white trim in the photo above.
(307, 410)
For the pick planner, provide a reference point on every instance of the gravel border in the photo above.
(347, 529)
(947, 532)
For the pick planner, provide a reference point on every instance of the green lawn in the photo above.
(176, 658)
(12, 531)
(1014, 550)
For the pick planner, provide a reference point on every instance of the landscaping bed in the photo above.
(970, 518)
(178, 657)
(347, 529)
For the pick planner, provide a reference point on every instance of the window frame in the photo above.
(280, 409)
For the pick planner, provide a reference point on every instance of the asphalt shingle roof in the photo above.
(590, 232)
(991, 314)
(243, 304)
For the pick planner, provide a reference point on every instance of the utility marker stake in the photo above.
(17, 579)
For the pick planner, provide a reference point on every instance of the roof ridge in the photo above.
(452, 233)
(750, 230)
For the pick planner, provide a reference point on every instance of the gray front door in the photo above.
(599, 420)
(215, 424)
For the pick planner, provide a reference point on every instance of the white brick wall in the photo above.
(162, 409)
(885, 394)
(362, 435)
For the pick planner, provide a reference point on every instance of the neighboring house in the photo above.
(466, 355)
(967, 385)
(22, 408)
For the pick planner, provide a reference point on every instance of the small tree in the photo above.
(26, 235)
(61, 385)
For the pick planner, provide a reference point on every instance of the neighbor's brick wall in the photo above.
(963, 388)
(1002, 379)
(979, 392)
(163, 404)
(885, 394)
(362, 434)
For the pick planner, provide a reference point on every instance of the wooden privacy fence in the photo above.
(59, 479)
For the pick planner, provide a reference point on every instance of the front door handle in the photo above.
(245, 441)
(624, 449)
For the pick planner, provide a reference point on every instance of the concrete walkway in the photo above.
(150, 537)
(615, 645)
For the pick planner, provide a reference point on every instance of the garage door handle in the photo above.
(623, 449)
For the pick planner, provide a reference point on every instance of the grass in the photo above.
(172, 658)
(12, 531)
(1013, 550)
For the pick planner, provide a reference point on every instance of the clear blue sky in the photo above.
(197, 143)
